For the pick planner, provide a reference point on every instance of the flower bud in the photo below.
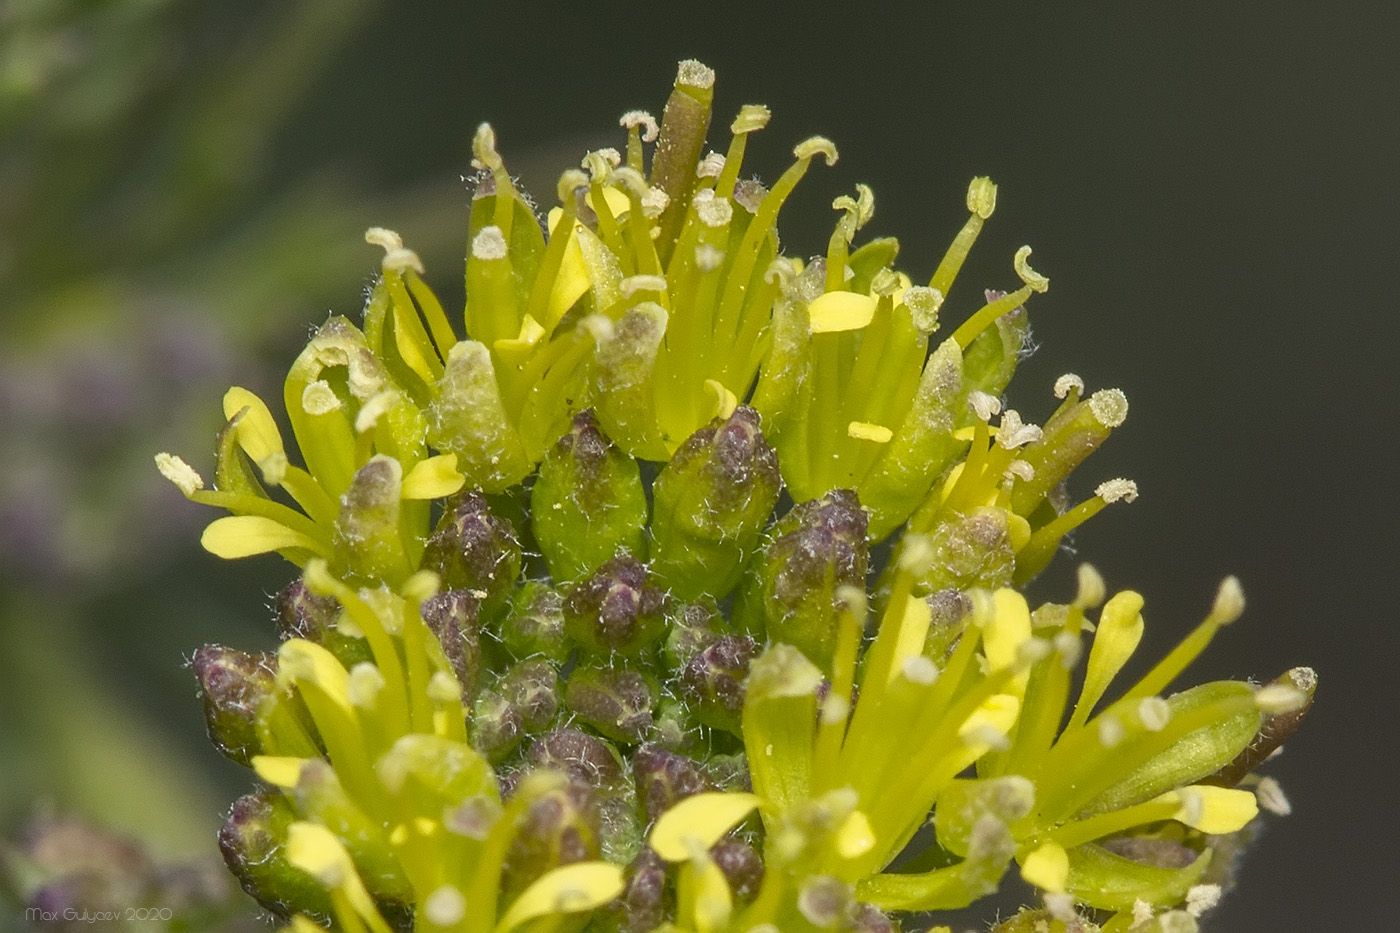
(474, 550)
(615, 701)
(497, 725)
(665, 778)
(532, 686)
(690, 630)
(711, 502)
(643, 905)
(560, 827)
(534, 623)
(742, 867)
(583, 757)
(1275, 729)
(616, 610)
(713, 682)
(973, 550)
(587, 503)
(815, 549)
(451, 616)
(368, 541)
(253, 842)
(1067, 439)
(303, 614)
(234, 686)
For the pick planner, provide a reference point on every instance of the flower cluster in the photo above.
(587, 633)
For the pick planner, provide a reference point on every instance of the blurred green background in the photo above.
(184, 186)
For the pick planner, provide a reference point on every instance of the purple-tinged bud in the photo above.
(560, 827)
(1275, 729)
(496, 726)
(534, 624)
(948, 613)
(664, 779)
(588, 503)
(711, 502)
(675, 728)
(532, 686)
(253, 842)
(616, 610)
(645, 901)
(742, 867)
(815, 549)
(476, 551)
(234, 685)
(452, 616)
(713, 682)
(615, 701)
(302, 614)
(583, 757)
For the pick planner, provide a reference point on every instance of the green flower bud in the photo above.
(234, 686)
(970, 551)
(368, 543)
(253, 842)
(302, 614)
(451, 616)
(616, 610)
(711, 502)
(665, 778)
(674, 727)
(588, 502)
(473, 550)
(713, 682)
(990, 360)
(497, 726)
(534, 624)
(532, 686)
(615, 701)
(690, 630)
(1066, 440)
(560, 827)
(815, 549)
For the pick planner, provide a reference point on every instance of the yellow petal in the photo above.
(913, 630)
(1047, 867)
(304, 662)
(257, 431)
(316, 851)
(280, 771)
(571, 889)
(433, 478)
(617, 201)
(864, 431)
(1008, 627)
(1214, 810)
(714, 902)
(245, 535)
(836, 311)
(703, 818)
(517, 349)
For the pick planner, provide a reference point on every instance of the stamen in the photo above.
(982, 197)
(983, 405)
(1229, 601)
(1271, 797)
(642, 283)
(863, 431)
(1036, 281)
(364, 684)
(180, 473)
(484, 150)
(318, 398)
(712, 211)
(1277, 699)
(1201, 898)
(1013, 433)
(1067, 383)
(923, 303)
(384, 237)
(1154, 713)
(751, 118)
(817, 145)
(445, 907)
(640, 118)
(1116, 489)
(711, 166)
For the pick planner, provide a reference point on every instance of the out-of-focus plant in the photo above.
(144, 256)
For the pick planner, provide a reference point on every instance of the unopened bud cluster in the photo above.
(589, 634)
